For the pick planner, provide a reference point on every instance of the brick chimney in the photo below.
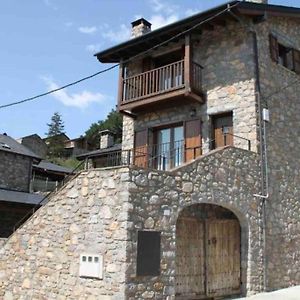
(106, 139)
(140, 27)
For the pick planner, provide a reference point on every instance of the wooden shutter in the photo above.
(148, 253)
(141, 148)
(274, 51)
(296, 60)
(193, 146)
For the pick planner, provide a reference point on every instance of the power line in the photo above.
(229, 7)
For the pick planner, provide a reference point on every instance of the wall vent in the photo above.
(91, 266)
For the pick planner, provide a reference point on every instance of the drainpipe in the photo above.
(263, 157)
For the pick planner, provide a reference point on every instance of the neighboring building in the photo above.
(207, 205)
(76, 146)
(15, 175)
(35, 143)
(109, 154)
(47, 176)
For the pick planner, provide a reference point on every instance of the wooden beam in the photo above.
(187, 63)
(121, 84)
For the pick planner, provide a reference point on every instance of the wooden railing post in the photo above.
(121, 84)
(187, 63)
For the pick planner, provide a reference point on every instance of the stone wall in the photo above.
(41, 259)
(35, 144)
(283, 143)
(15, 171)
(228, 178)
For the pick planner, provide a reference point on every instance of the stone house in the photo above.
(204, 202)
(15, 175)
(35, 143)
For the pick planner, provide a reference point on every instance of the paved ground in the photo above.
(292, 293)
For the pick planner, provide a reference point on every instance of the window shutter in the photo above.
(296, 60)
(148, 253)
(140, 148)
(274, 48)
(193, 144)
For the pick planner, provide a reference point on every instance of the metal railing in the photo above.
(164, 79)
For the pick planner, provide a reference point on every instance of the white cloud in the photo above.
(158, 21)
(93, 47)
(162, 7)
(79, 100)
(118, 36)
(87, 29)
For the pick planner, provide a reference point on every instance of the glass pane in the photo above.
(178, 146)
(163, 149)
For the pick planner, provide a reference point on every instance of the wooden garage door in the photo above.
(207, 258)
(223, 257)
(190, 279)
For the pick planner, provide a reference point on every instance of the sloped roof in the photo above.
(8, 144)
(20, 197)
(100, 152)
(144, 42)
(49, 166)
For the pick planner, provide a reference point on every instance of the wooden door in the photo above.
(193, 147)
(190, 267)
(223, 257)
(207, 258)
(222, 130)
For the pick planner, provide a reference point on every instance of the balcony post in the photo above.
(187, 63)
(121, 84)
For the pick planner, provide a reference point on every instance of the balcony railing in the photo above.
(160, 80)
(164, 156)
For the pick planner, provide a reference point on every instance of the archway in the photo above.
(208, 252)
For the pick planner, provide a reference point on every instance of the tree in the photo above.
(56, 127)
(113, 122)
(55, 136)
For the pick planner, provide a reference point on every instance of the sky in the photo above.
(49, 43)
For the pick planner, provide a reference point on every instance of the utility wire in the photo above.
(229, 7)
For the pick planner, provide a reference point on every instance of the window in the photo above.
(285, 56)
(169, 149)
(148, 253)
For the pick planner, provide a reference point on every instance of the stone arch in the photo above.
(206, 210)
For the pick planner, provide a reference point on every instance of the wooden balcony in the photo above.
(163, 85)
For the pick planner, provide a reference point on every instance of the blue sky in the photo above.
(48, 43)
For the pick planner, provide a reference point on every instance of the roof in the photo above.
(8, 144)
(49, 166)
(20, 197)
(100, 152)
(145, 42)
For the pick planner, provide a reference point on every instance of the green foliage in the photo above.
(55, 136)
(113, 122)
(56, 127)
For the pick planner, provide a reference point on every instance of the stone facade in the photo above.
(101, 212)
(229, 87)
(283, 142)
(15, 171)
(35, 144)
(41, 259)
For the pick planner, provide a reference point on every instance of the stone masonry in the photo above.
(15, 171)
(101, 211)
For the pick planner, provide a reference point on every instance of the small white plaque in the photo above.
(167, 212)
(91, 265)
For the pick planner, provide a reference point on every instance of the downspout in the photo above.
(263, 157)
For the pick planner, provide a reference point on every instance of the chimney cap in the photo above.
(141, 21)
(105, 131)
